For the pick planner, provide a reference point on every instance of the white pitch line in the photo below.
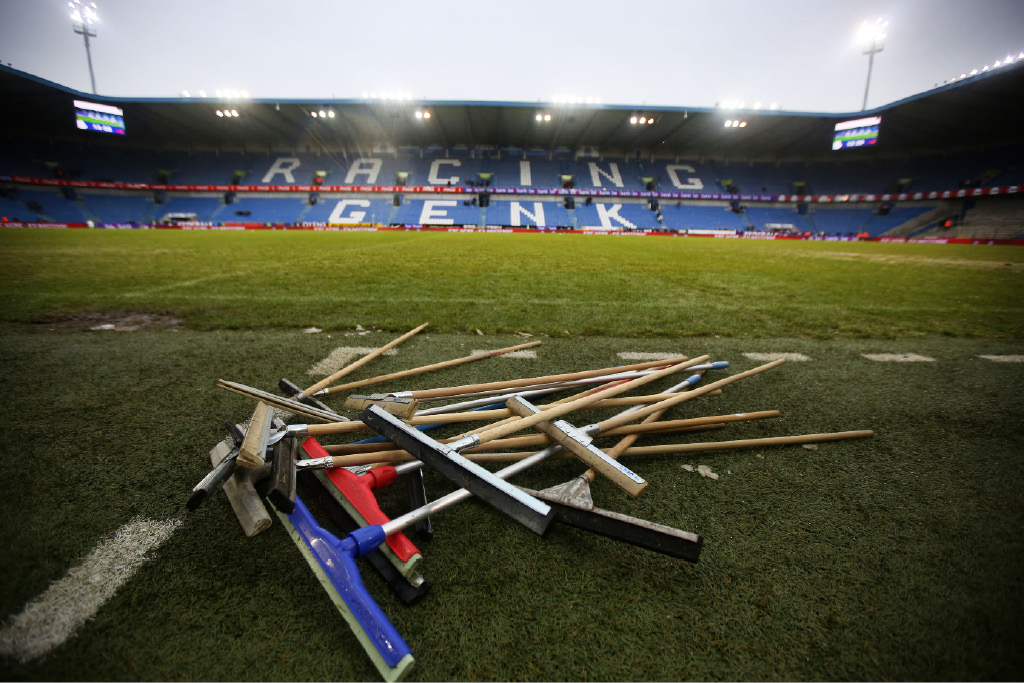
(340, 357)
(53, 617)
(765, 357)
(525, 353)
(645, 356)
(898, 358)
(1004, 359)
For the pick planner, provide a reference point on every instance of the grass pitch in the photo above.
(498, 283)
(892, 558)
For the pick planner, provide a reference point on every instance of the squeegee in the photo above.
(333, 561)
(445, 458)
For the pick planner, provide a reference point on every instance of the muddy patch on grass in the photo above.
(113, 321)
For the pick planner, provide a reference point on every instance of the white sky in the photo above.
(801, 54)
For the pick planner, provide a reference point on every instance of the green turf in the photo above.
(895, 558)
(552, 284)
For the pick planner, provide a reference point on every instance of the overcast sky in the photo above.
(801, 54)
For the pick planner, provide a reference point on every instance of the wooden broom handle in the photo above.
(527, 381)
(565, 408)
(362, 361)
(350, 455)
(691, 447)
(484, 415)
(429, 368)
(685, 396)
(388, 451)
(625, 442)
(747, 443)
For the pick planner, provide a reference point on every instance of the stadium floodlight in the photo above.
(871, 36)
(83, 21)
(632, 119)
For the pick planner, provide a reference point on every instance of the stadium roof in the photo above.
(978, 112)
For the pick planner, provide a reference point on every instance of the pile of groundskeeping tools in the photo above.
(259, 463)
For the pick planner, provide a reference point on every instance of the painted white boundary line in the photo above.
(340, 357)
(525, 353)
(642, 356)
(1004, 359)
(766, 357)
(898, 358)
(53, 617)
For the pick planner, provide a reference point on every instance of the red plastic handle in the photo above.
(358, 490)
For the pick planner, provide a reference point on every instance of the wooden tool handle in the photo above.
(250, 453)
(690, 447)
(525, 382)
(428, 368)
(241, 494)
(362, 361)
(685, 396)
(622, 477)
(559, 410)
(748, 443)
(625, 442)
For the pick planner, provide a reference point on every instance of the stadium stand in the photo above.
(996, 218)
(499, 176)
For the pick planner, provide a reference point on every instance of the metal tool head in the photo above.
(639, 532)
(280, 485)
(291, 390)
(525, 509)
(211, 483)
(402, 407)
(410, 588)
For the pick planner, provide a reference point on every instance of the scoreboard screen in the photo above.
(100, 117)
(856, 133)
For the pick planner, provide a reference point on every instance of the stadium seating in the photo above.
(120, 208)
(532, 168)
(545, 170)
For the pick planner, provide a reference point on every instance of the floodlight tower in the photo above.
(83, 20)
(871, 37)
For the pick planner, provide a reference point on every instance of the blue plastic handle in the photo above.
(693, 379)
(720, 365)
(337, 558)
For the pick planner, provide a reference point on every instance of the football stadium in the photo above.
(257, 349)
